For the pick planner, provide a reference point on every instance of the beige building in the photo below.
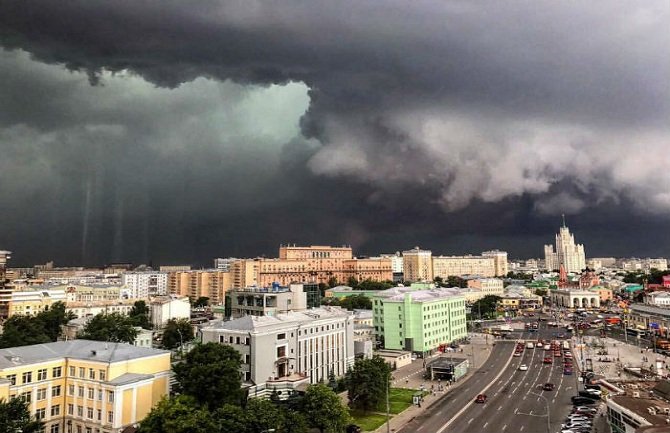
(447, 266)
(32, 302)
(288, 252)
(417, 265)
(488, 286)
(92, 308)
(210, 283)
(499, 261)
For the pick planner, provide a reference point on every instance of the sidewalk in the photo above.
(411, 376)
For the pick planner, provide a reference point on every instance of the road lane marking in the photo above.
(504, 427)
(500, 408)
(521, 429)
(487, 423)
(471, 419)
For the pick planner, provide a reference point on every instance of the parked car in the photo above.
(579, 400)
(481, 398)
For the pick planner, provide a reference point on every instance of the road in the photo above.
(515, 399)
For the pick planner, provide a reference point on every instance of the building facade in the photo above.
(567, 252)
(417, 265)
(500, 264)
(255, 301)
(418, 320)
(82, 386)
(32, 302)
(142, 285)
(209, 283)
(281, 351)
(5, 291)
(458, 266)
(165, 308)
(489, 286)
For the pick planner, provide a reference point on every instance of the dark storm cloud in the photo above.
(508, 108)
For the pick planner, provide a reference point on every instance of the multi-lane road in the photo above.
(516, 401)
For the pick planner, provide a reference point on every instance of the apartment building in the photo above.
(258, 301)
(488, 286)
(417, 265)
(209, 283)
(5, 291)
(165, 308)
(499, 261)
(144, 284)
(418, 320)
(448, 266)
(32, 302)
(82, 386)
(288, 349)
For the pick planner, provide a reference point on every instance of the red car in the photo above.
(481, 398)
(548, 360)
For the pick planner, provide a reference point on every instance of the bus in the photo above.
(613, 320)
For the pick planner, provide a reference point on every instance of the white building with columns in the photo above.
(571, 298)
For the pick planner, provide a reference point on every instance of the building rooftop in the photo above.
(650, 408)
(260, 323)
(78, 349)
(127, 378)
(397, 294)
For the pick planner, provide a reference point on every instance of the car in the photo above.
(517, 353)
(547, 360)
(548, 386)
(567, 371)
(557, 354)
(481, 398)
(585, 409)
(530, 345)
(547, 347)
(539, 344)
(592, 386)
(593, 392)
(523, 367)
(589, 395)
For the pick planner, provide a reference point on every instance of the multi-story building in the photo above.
(373, 268)
(489, 286)
(224, 265)
(418, 320)
(417, 265)
(80, 293)
(397, 266)
(288, 349)
(499, 261)
(82, 386)
(32, 302)
(92, 308)
(164, 308)
(567, 253)
(209, 283)
(448, 266)
(174, 268)
(255, 301)
(293, 252)
(145, 284)
(640, 409)
(5, 292)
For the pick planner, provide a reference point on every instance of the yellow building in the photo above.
(32, 302)
(417, 265)
(211, 283)
(447, 266)
(82, 386)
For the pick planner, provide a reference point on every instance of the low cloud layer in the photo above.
(530, 110)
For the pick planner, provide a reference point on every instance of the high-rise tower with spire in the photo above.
(567, 253)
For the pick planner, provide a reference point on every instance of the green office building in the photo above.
(418, 320)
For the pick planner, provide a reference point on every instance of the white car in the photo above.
(523, 367)
(597, 392)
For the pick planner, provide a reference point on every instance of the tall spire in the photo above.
(563, 215)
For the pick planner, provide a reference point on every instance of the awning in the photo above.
(640, 327)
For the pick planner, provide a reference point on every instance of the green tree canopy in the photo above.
(211, 374)
(201, 302)
(177, 331)
(356, 302)
(324, 409)
(15, 417)
(263, 415)
(367, 382)
(53, 318)
(454, 281)
(180, 414)
(109, 327)
(488, 306)
(139, 315)
(232, 418)
(21, 330)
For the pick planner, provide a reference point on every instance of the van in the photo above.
(529, 345)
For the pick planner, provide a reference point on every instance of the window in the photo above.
(89, 412)
(26, 396)
(281, 336)
(55, 410)
(99, 415)
(82, 372)
(56, 372)
(91, 393)
(222, 339)
(12, 379)
(80, 411)
(72, 370)
(55, 428)
(70, 409)
(110, 396)
(41, 413)
(80, 391)
(102, 375)
(27, 377)
(89, 430)
(41, 394)
(55, 391)
(70, 390)
(91, 373)
(281, 351)
(100, 394)
(42, 374)
(110, 417)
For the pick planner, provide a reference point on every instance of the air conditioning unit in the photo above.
(666, 410)
(636, 394)
(651, 411)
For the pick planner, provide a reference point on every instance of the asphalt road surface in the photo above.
(516, 401)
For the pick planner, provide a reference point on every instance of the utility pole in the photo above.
(388, 408)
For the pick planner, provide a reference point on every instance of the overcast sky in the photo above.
(176, 132)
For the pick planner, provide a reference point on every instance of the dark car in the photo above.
(481, 398)
(579, 400)
(548, 386)
(353, 428)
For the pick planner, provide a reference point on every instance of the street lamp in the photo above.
(546, 401)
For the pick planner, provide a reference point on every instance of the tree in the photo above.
(332, 282)
(263, 415)
(21, 330)
(176, 332)
(488, 306)
(113, 327)
(201, 302)
(232, 418)
(15, 417)
(180, 414)
(211, 374)
(139, 315)
(367, 382)
(53, 318)
(352, 282)
(294, 422)
(324, 409)
(374, 285)
(356, 302)
(454, 281)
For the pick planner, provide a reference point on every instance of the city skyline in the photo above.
(444, 125)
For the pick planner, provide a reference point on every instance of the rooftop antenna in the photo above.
(563, 215)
